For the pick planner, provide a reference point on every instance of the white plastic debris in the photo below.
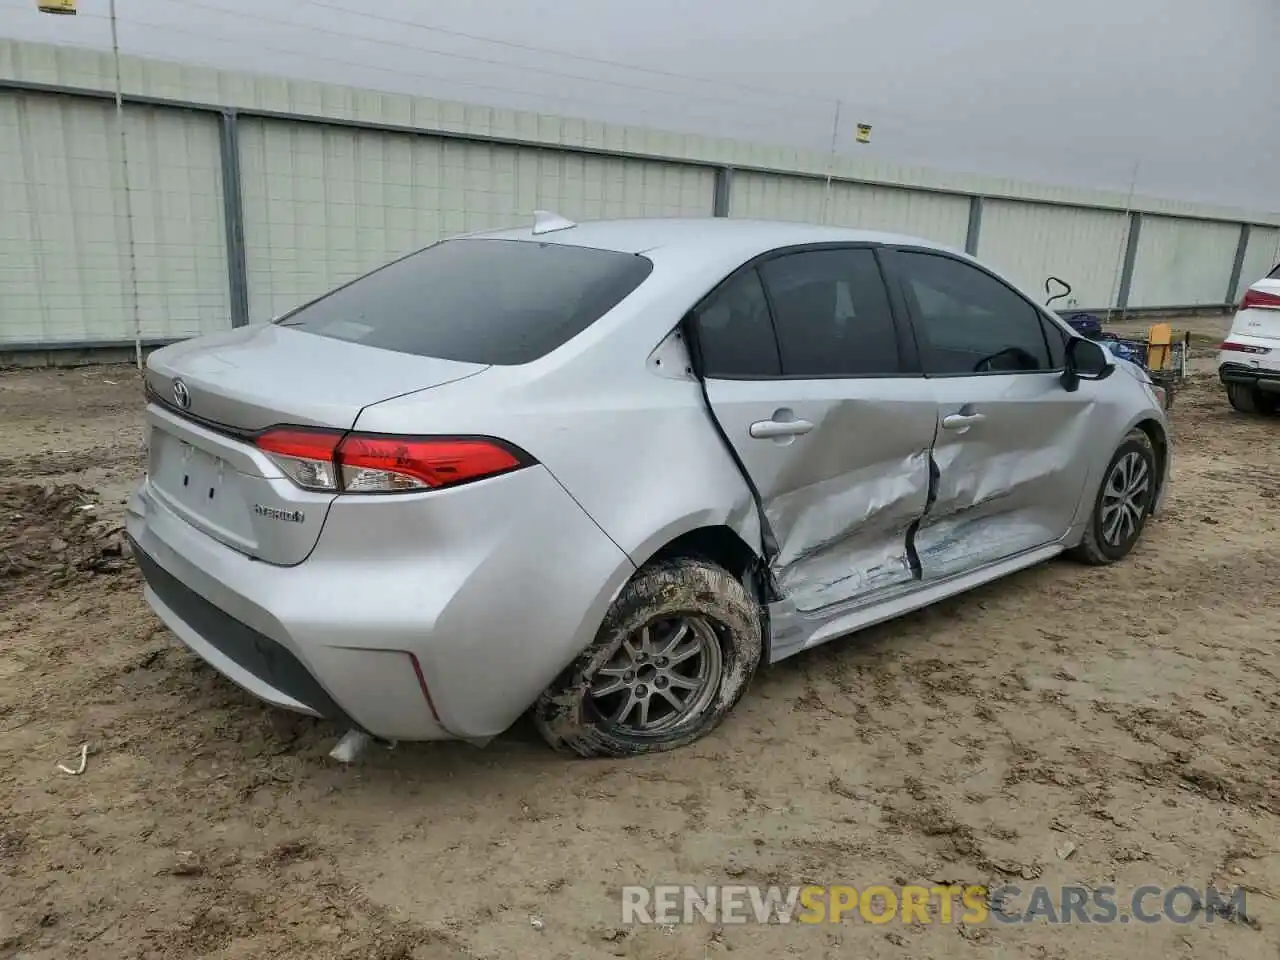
(349, 748)
(536, 923)
(84, 762)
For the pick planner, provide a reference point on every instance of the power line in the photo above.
(581, 58)
(819, 104)
(814, 103)
(810, 135)
(787, 122)
(193, 4)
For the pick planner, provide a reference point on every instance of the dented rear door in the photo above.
(832, 427)
(1012, 451)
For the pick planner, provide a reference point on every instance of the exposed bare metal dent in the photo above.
(949, 546)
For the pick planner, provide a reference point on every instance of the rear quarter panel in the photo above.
(615, 415)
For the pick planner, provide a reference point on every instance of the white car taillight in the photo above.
(370, 463)
(1232, 347)
(1260, 300)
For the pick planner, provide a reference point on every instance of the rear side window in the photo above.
(735, 331)
(832, 314)
(1275, 273)
(478, 301)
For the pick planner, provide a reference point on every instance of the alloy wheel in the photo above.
(1124, 499)
(661, 675)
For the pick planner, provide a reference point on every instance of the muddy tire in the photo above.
(1123, 503)
(1251, 400)
(674, 654)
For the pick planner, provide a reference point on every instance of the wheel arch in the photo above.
(1157, 433)
(1159, 438)
(721, 544)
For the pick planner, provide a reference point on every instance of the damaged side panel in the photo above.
(847, 535)
(844, 488)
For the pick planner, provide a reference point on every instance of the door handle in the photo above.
(961, 421)
(768, 429)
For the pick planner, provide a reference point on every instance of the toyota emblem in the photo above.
(181, 395)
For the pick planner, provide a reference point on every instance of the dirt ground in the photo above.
(1131, 712)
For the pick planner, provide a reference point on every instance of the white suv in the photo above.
(1249, 360)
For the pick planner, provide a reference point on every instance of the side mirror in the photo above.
(1086, 360)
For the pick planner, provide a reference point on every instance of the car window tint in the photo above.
(832, 314)
(735, 331)
(479, 301)
(969, 322)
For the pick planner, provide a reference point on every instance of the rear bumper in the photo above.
(254, 661)
(1264, 378)
(492, 588)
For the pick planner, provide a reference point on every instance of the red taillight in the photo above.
(1234, 347)
(306, 456)
(1260, 300)
(382, 464)
(369, 463)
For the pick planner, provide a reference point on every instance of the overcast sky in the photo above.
(1188, 90)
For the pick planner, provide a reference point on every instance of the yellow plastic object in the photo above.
(1159, 346)
(56, 6)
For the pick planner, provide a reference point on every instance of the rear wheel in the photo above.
(674, 654)
(1124, 502)
(1251, 400)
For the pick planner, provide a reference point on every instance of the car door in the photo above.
(805, 372)
(1012, 450)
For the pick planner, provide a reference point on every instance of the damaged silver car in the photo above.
(602, 472)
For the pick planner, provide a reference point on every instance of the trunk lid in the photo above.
(256, 377)
(211, 394)
(1256, 322)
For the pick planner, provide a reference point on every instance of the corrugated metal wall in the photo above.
(1260, 257)
(934, 216)
(1029, 242)
(324, 204)
(1183, 262)
(64, 271)
(335, 181)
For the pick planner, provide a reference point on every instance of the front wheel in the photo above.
(1125, 500)
(674, 654)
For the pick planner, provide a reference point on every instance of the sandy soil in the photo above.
(1130, 711)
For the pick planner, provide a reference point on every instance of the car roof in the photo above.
(714, 235)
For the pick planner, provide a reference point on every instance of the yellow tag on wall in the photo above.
(56, 6)
(864, 133)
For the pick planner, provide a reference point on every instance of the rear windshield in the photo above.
(479, 301)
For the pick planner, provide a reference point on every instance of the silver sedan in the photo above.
(602, 472)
